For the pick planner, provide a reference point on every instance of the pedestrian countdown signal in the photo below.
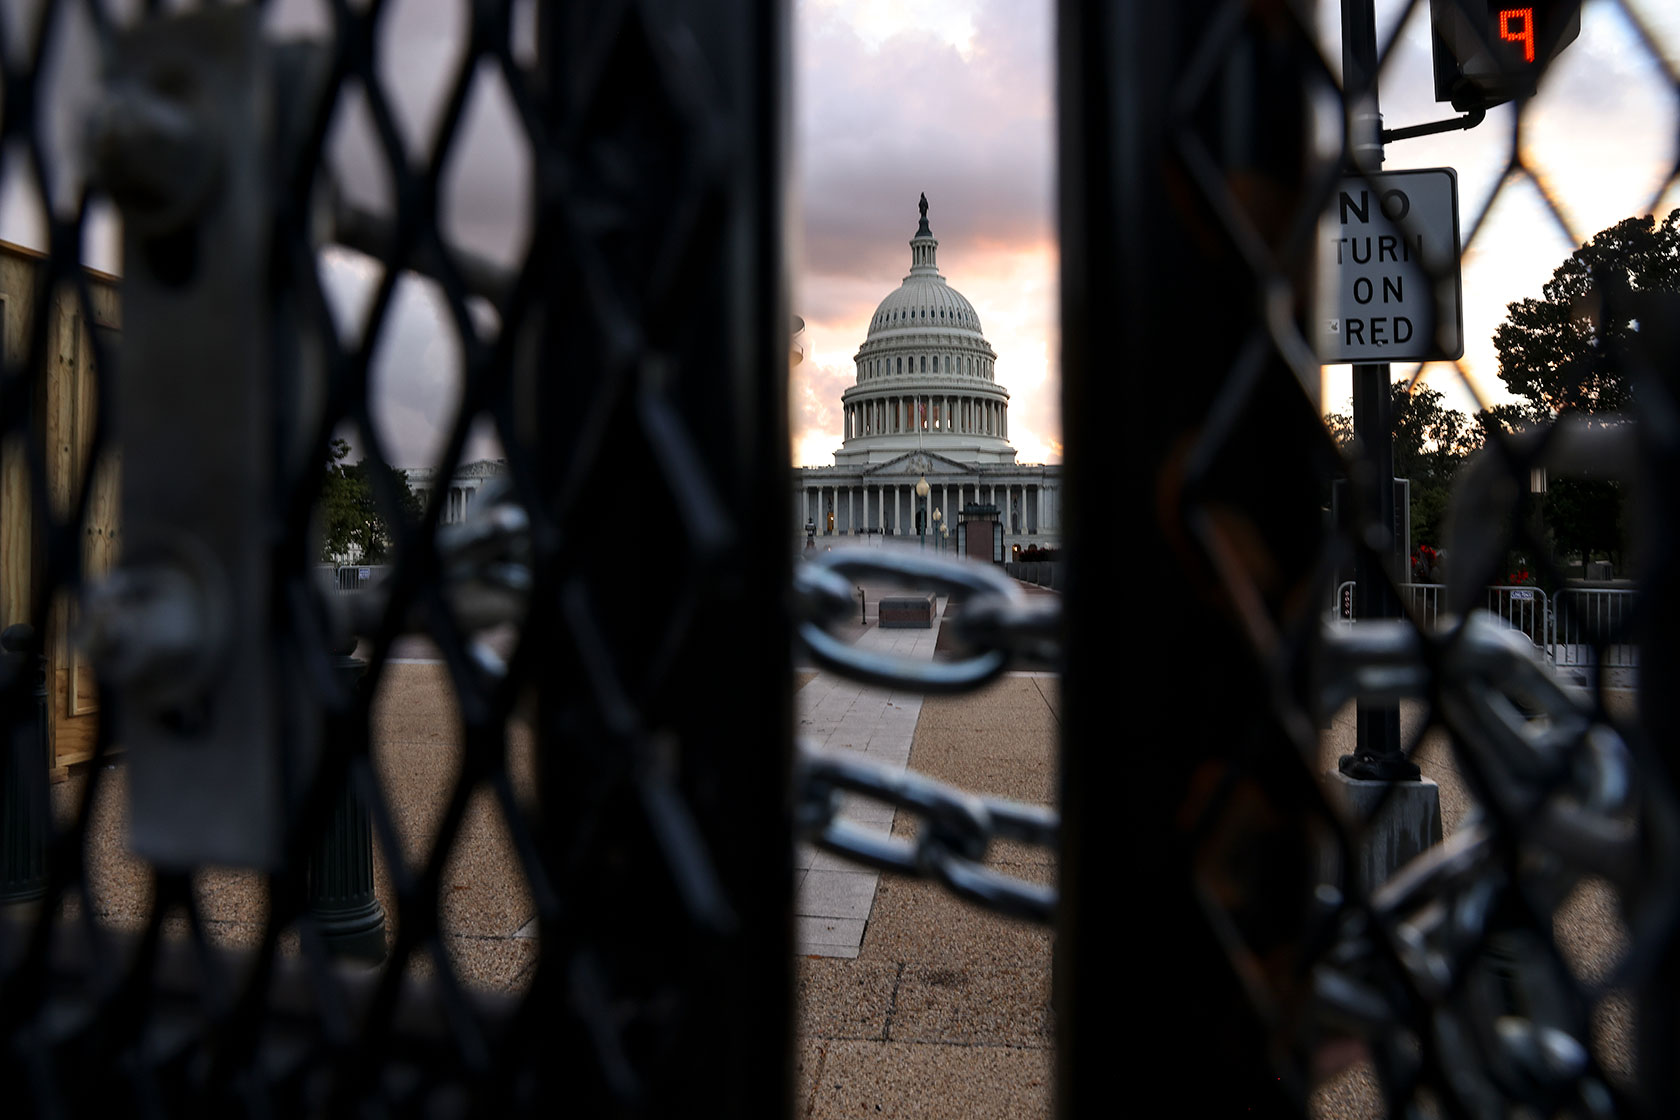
(1490, 53)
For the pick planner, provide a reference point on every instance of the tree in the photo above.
(353, 526)
(1566, 352)
(1430, 441)
(1560, 352)
(1508, 418)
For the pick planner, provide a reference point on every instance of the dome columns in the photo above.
(944, 413)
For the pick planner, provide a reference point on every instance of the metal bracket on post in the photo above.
(182, 139)
(1465, 123)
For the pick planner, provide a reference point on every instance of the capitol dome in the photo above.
(925, 374)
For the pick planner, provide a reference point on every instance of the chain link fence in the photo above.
(1196, 166)
(636, 344)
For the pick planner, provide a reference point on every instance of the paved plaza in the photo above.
(834, 897)
(910, 1002)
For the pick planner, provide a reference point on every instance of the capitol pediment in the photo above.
(919, 464)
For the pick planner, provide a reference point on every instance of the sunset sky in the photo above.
(956, 98)
(953, 98)
(950, 97)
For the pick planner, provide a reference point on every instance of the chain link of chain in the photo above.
(1562, 783)
(996, 623)
(955, 830)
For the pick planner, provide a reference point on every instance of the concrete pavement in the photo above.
(833, 898)
(910, 1002)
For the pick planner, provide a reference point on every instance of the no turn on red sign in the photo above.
(1389, 282)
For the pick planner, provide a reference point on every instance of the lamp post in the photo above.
(921, 525)
(936, 526)
(945, 537)
(339, 883)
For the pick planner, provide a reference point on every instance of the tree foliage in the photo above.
(353, 527)
(1586, 516)
(1559, 352)
(1566, 352)
(1430, 442)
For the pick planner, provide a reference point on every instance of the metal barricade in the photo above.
(1525, 609)
(359, 577)
(1344, 605)
(1591, 626)
(1422, 602)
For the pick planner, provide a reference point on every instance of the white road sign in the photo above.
(1385, 238)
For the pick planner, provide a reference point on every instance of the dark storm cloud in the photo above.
(877, 123)
(483, 208)
(485, 195)
(876, 127)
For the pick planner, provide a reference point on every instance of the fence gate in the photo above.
(634, 343)
(1194, 169)
(630, 356)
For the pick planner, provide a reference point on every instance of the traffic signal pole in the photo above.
(1377, 754)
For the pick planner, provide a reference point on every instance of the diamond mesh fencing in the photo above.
(628, 356)
(1525, 965)
(624, 775)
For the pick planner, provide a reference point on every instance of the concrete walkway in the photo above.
(909, 1001)
(944, 1013)
(834, 897)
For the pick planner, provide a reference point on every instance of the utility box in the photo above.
(980, 533)
(906, 612)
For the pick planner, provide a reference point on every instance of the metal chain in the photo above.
(997, 624)
(955, 830)
(1563, 781)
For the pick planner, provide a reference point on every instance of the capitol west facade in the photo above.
(926, 404)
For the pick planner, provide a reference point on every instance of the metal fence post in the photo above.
(1377, 752)
(24, 813)
(1151, 120)
(340, 895)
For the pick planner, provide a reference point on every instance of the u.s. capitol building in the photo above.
(927, 407)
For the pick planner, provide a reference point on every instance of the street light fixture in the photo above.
(936, 525)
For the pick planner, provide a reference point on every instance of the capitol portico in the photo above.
(927, 407)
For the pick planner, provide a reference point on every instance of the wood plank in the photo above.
(16, 536)
(83, 697)
(99, 529)
(63, 336)
(19, 279)
(73, 739)
(66, 416)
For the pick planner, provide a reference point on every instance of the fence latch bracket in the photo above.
(181, 139)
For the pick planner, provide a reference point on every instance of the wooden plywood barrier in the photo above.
(64, 416)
